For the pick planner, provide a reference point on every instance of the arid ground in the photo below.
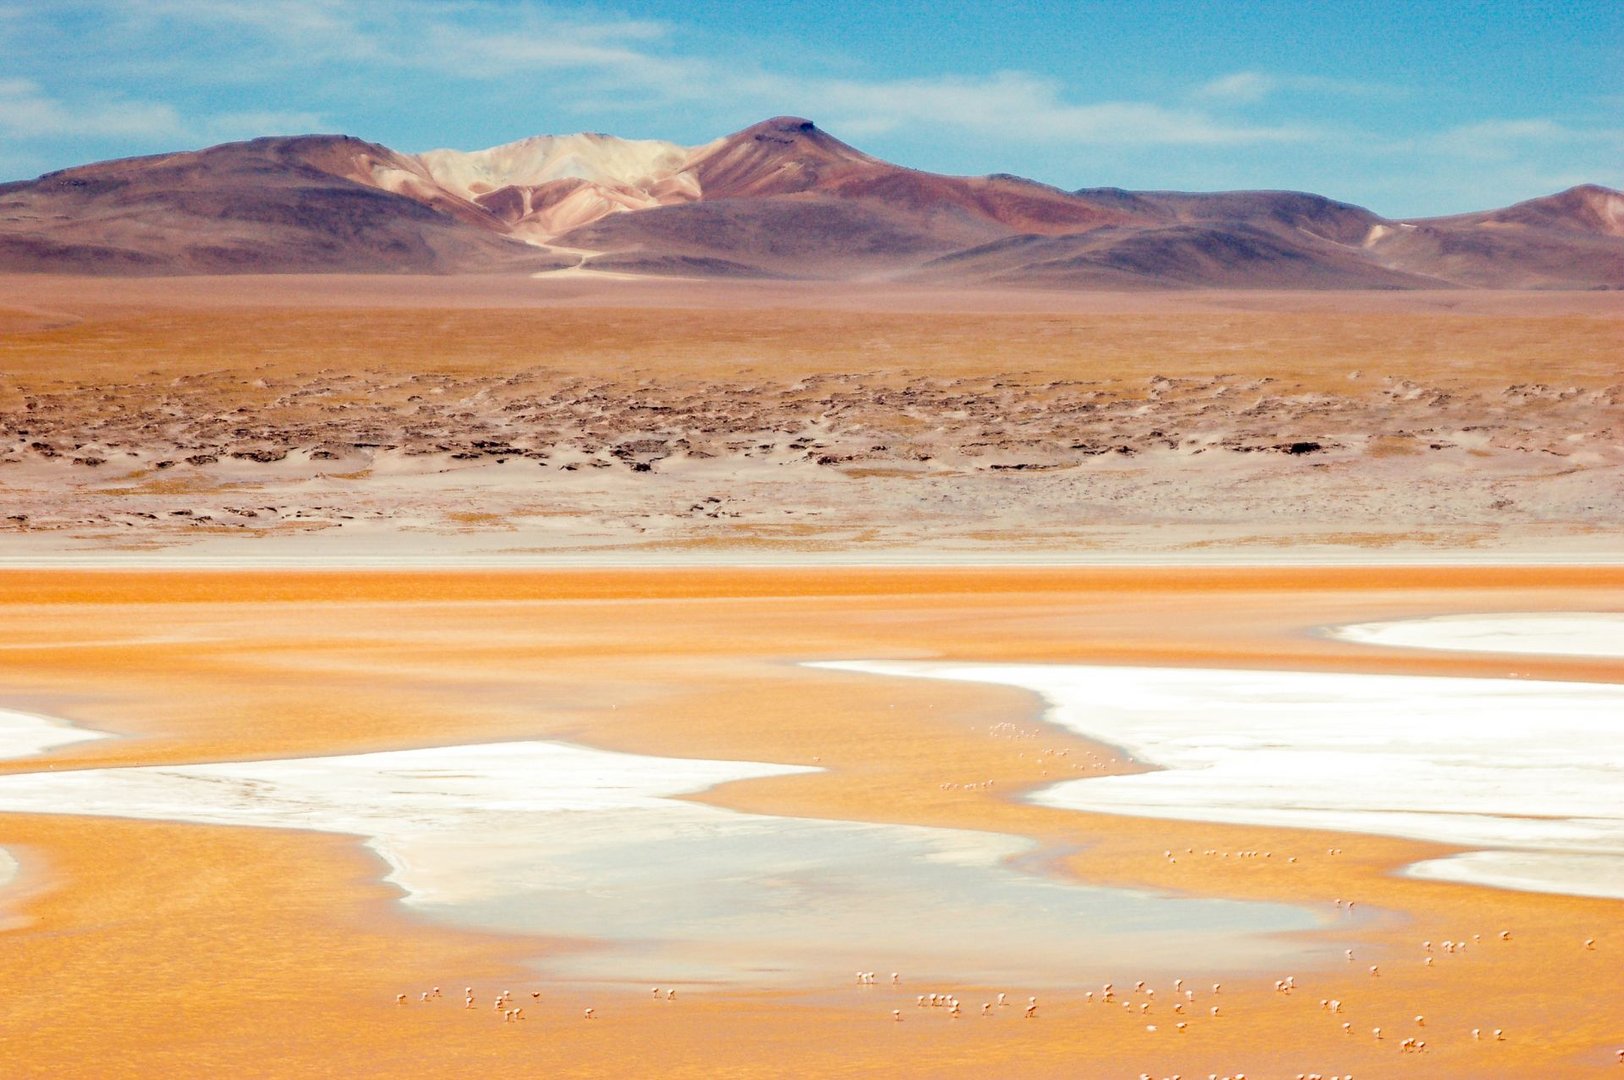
(1400, 455)
(562, 418)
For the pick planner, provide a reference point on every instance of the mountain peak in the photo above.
(781, 126)
(1586, 208)
(780, 156)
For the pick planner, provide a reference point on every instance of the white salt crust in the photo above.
(579, 843)
(26, 734)
(1556, 633)
(1529, 772)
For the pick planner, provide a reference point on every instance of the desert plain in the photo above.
(565, 415)
(288, 519)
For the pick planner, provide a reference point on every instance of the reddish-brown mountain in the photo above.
(781, 198)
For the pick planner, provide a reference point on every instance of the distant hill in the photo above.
(781, 198)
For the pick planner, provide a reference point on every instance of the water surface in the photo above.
(571, 842)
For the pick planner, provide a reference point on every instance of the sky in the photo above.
(1409, 108)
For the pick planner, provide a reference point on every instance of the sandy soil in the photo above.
(151, 949)
(518, 419)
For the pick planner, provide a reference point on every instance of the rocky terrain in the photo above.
(536, 461)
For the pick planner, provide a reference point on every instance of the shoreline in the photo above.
(693, 661)
(182, 562)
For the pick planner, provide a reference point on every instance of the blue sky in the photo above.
(1408, 108)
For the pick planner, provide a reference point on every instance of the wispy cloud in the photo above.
(1491, 140)
(1021, 106)
(1252, 87)
(609, 58)
(461, 38)
(27, 112)
(224, 127)
(1242, 86)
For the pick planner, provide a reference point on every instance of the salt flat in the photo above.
(910, 804)
(24, 734)
(1540, 634)
(1525, 768)
(535, 837)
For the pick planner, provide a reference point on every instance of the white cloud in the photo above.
(632, 63)
(476, 40)
(27, 112)
(1019, 106)
(1251, 87)
(327, 25)
(1242, 86)
(1505, 139)
(476, 55)
(249, 125)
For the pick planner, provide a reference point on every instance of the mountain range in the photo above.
(780, 199)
